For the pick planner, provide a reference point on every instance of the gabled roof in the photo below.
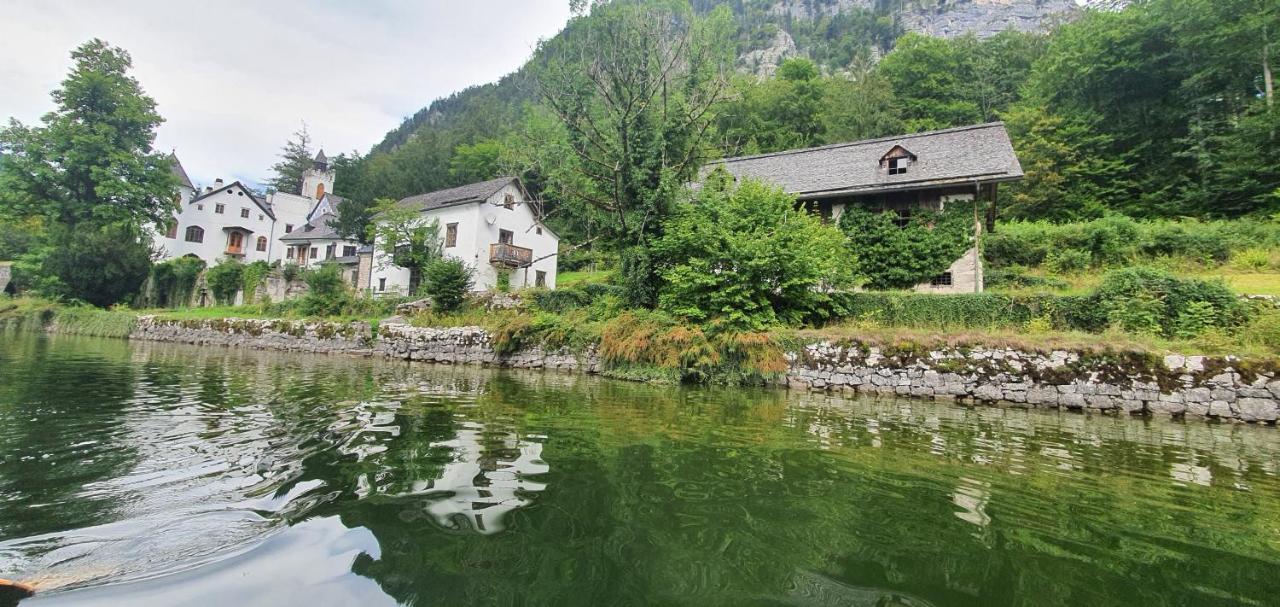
(176, 166)
(948, 157)
(266, 208)
(463, 194)
(316, 229)
(330, 200)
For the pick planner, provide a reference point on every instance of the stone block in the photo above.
(1257, 409)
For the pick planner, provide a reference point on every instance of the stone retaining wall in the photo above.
(1127, 382)
(1212, 387)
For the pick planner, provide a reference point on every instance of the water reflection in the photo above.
(214, 473)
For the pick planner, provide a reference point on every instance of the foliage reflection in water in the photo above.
(149, 474)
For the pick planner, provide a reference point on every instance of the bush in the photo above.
(224, 280)
(746, 259)
(1018, 278)
(251, 277)
(1148, 300)
(1254, 259)
(1119, 240)
(1068, 261)
(447, 281)
(101, 265)
(327, 293)
(173, 282)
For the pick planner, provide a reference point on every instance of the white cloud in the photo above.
(234, 79)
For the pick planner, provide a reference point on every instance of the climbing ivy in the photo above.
(891, 256)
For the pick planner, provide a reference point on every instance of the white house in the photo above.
(493, 226)
(231, 221)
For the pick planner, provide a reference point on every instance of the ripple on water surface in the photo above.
(149, 474)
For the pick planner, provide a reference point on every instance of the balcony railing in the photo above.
(509, 255)
(234, 251)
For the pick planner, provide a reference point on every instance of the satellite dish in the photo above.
(490, 218)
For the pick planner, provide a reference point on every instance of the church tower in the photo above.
(318, 180)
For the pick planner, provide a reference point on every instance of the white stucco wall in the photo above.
(202, 212)
(478, 228)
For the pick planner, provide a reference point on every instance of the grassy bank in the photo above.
(31, 313)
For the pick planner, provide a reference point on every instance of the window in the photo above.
(941, 280)
(509, 201)
(172, 232)
(288, 227)
(219, 208)
(320, 190)
(540, 279)
(903, 218)
(505, 236)
(195, 234)
(898, 166)
(315, 252)
(451, 235)
(199, 207)
(349, 251)
(262, 243)
(244, 213)
(259, 216)
(235, 241)
(538, 230)
(330, 250)
(382, 284)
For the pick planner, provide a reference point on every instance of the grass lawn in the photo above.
(582, 277)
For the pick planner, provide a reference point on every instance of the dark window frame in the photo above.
(194, 234)
(451, 235)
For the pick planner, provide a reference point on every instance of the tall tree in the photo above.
(633, 86)
(90, 175)
(295, 158)
(92, 159)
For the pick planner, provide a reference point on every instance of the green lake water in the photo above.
(153, 474)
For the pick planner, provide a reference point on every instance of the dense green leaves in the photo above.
(746, 258)
(447, 281)
(890, 256)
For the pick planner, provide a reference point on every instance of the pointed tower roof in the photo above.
(179, 172)
(320, 157)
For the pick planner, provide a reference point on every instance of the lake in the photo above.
(157, 474)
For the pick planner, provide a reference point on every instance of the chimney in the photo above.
(208, 189)
(217, 182)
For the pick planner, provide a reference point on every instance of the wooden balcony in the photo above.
(509, 255)
(234, 252)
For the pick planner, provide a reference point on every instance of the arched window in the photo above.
(195, 234)
(172, 231)
(262, 243)
(235, 241)
(320, 190)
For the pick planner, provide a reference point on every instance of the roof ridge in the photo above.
(832, 146)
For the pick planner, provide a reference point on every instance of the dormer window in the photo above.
(896, 160)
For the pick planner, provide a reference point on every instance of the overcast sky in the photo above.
(234, 78)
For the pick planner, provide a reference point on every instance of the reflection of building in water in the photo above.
(480, 486)
(972, 497)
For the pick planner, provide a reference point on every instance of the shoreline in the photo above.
(1208, 387)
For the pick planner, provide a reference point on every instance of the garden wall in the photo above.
(1123, 382)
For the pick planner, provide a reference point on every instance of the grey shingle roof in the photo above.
(316, 229)
(472, 192)
(321, 158)
(952, 156)
(180, 172)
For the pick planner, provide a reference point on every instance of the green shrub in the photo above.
(173, 282)
(447, 281)
(745, 258)
(503, 282)
(290, 271)
(327, 293)
(224, 280)
(1144, 299)
(1254, 259)
(1068, 261)
(1017, 278)
(102, 265)
(251, 277)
